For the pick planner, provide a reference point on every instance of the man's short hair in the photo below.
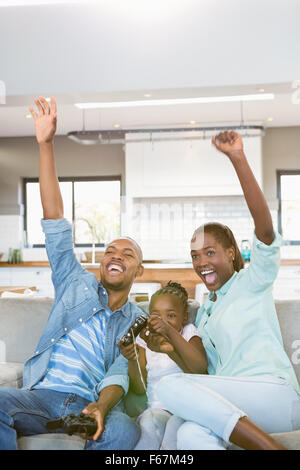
(139, 250)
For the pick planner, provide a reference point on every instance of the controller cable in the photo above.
(158, 434)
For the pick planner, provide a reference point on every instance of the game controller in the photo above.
(138, 325)
(72, 423)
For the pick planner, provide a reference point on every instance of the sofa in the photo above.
(22, 321)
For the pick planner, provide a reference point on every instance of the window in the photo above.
(92, 205)
(288, 184)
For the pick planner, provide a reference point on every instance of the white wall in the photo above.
(163, 226)
(11, 233)
(174, 186)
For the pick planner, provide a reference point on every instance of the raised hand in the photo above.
(228, 142)
(45, 121)
(231, 144)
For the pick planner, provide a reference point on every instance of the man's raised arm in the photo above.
(45, 127)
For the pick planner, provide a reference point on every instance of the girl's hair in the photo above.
(225, 237)
(173, 288)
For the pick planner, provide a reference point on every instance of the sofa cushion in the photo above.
(11, 374)
(22, 324)
(288, 312)
(51, 442)
(290, 440)
(193, 306)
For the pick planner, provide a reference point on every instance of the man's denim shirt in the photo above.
(78, 296)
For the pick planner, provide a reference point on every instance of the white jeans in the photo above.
(210, 406)
(152, 424)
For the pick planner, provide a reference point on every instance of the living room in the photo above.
(141, 88)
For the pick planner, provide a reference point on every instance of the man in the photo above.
(77, 366)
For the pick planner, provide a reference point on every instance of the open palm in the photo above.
(44, 121)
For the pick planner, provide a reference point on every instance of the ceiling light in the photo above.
(166, 102)
(113, 136)
(261, 90)
(147, 95)
(28, 116)
(192, 122)
(116, 125)
(270, 119)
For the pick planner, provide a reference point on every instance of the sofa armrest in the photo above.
(11, 374)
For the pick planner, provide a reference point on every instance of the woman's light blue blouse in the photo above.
(240, 330)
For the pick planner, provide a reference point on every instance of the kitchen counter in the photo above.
(26, 264)
(182, 272)
(156, 265)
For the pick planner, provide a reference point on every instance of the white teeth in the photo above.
(116, 267)
(206, 272)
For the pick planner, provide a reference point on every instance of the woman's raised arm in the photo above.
(231, 144)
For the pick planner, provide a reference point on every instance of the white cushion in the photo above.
(11, 374)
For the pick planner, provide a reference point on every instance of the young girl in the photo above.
(177, 348)
(249, 373)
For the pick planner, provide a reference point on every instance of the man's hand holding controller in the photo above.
(129, 350)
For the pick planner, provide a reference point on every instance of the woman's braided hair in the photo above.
(173, 288)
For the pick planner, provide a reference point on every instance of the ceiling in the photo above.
(121, 50)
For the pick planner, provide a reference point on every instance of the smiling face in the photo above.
(121, 264)
(170, 308)
(212, 262)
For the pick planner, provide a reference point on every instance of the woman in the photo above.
(251, 379)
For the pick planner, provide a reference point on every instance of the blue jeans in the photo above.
(26, 412)
(206, 408)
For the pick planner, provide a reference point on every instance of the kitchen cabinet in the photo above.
(183, 167)
(40, 277)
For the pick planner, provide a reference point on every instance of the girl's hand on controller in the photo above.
(156, 342)
(158, 325)
(128, 351)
